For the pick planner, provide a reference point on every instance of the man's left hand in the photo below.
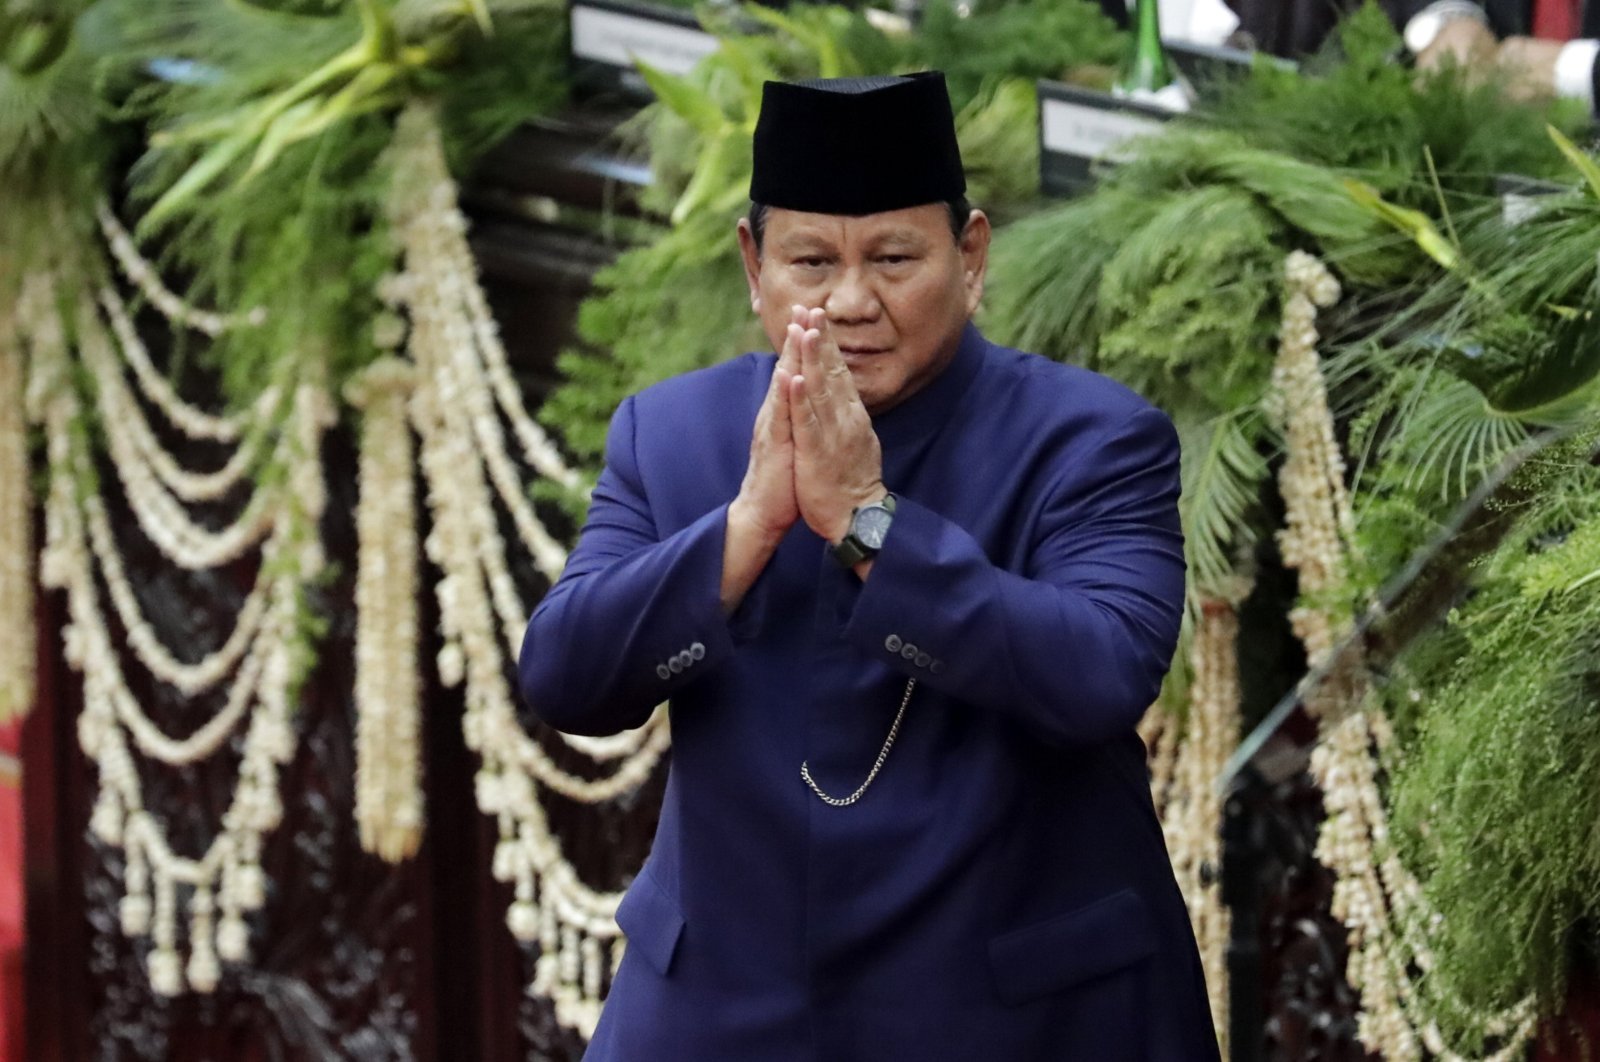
(838, 464)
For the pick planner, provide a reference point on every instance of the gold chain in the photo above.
(883, 754)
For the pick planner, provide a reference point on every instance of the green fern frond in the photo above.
(1223, 473)
(1045, 272)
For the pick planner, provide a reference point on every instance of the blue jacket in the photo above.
(1002, 891)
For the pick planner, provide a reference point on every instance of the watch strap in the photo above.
(850, 550)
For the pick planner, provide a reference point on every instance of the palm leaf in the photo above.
(1581, 162)
(1223, 471)
(1561, 385)
(1415, 224)
(685, 99)
(820, 40)
(1449, 436)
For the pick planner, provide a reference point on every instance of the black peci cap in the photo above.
(856, 145)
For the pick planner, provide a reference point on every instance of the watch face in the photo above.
(872, 524)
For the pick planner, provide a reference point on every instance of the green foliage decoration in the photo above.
(1167, 276)
(52, 149)
(1496, 802)
(265, 172)
(1025, 39)
(1496, 348)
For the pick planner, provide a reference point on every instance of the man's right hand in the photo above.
(765, 508)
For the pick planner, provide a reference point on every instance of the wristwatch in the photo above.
(869, 525)
(1425, 25)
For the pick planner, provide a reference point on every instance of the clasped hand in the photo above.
(813, 454)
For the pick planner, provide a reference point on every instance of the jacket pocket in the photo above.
(1072, 948)
(650, 920)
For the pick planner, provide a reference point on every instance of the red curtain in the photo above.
(11, 1034)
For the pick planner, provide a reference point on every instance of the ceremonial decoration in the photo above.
(1187, 756)
(1311, 274)
(16, 527)
(389, 799)
(255, 672)
(463, 390)
(1376, 896)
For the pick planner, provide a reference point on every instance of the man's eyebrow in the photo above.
(907, 238)
(808, 242)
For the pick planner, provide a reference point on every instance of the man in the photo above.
(1548, 47)
(908, 817)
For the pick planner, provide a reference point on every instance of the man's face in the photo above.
(897, 288)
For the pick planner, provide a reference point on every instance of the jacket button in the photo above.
(936, 667)
(675, 664)
(686, 658)
(908, 651)
(892, 643)
(697, 651)
(661, 670)
(922, 659)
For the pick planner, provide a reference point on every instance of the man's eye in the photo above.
(811, 262)
(893, 259)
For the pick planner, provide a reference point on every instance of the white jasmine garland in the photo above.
(1191, 814)
(226, 879)
(191, 678)
(1379, 900)
(389, 802)
(462, 389)
(17, 647)
(160, 513)
(121, 412)
(537, 448)
(144, 276)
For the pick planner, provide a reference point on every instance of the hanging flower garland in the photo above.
(463, 394)
(17, 659)
(389, 803)
(265, 653)
(143, 276)
(1160, 730)
(1375, 894)
(1191, 809)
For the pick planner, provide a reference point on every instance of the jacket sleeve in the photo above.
(1075, 646)
(634, 616)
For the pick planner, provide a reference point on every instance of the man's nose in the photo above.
(852, 299)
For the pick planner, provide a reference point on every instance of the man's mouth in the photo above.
(862, 352)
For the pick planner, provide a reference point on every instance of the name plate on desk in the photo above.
(1522, 198)
(607, 36)
(1080, 127)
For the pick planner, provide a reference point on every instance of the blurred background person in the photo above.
(1543, 47)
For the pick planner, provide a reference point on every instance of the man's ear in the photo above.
(974, 248)
(752, 262)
